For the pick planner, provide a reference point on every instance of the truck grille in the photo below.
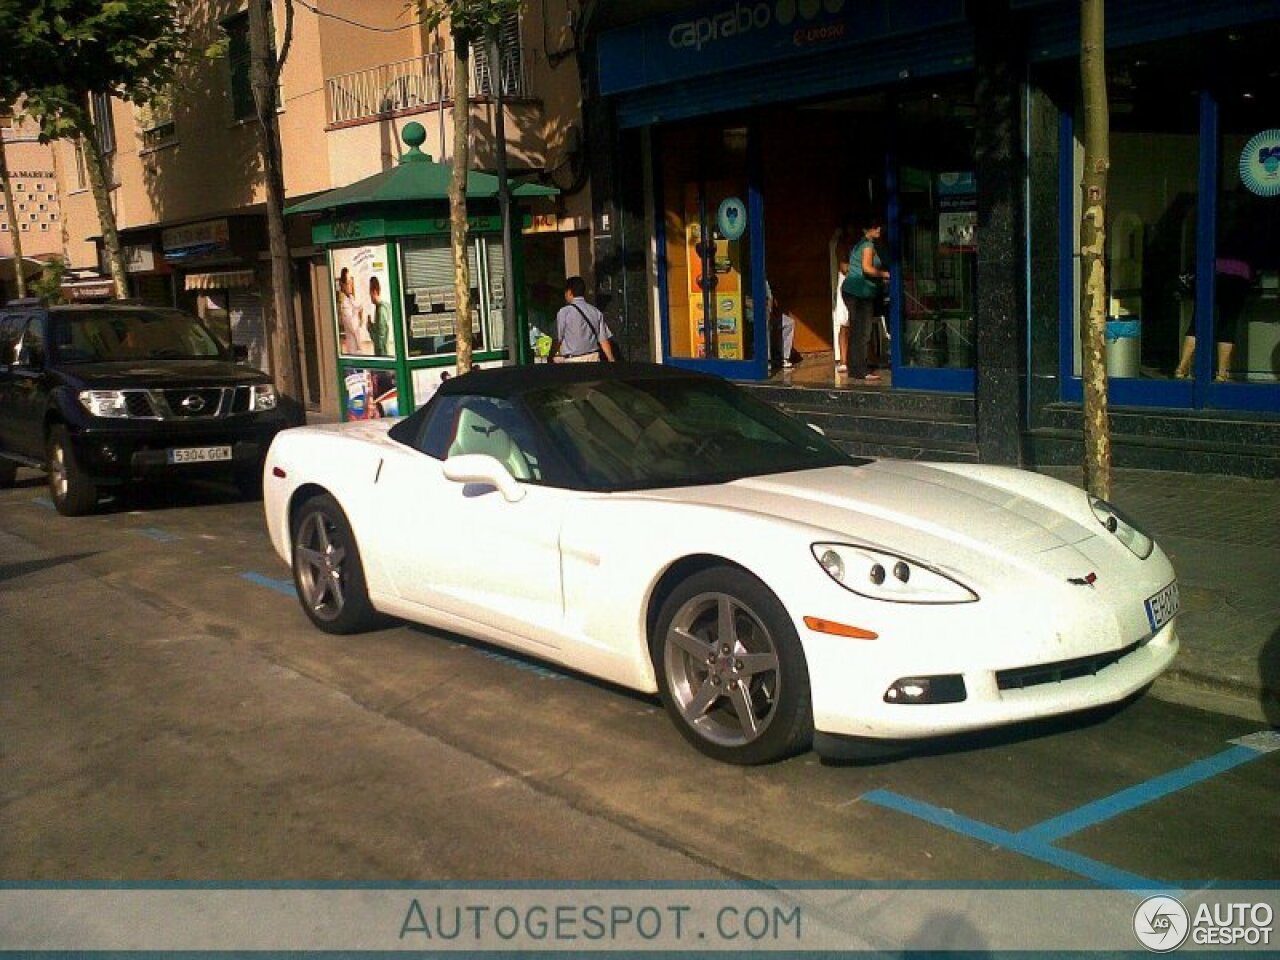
(192, 403)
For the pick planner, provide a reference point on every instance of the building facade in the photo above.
(188, 186)
(749, 141)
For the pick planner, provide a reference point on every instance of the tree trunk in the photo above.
(458, 198)
(1093, 223)
(7, 189)
(264, 77)
(97, 168)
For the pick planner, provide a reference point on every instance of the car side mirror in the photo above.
(239, 353)
(482, 468)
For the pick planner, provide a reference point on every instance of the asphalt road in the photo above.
(167, 712)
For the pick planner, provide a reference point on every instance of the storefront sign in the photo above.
(958, 212)
(139, 259)
(1260, 164)
(92, 290)
(196, 240)
(733, 34)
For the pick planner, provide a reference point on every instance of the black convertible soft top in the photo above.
(511, 382)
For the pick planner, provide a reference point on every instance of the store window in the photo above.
(430, 303)
(938, 215)
(1247, 256)
(708, 257)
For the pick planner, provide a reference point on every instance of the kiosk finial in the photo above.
(414, 135)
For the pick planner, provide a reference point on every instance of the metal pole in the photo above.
(510, 334)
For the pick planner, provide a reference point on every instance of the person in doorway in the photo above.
(840, 320)
(786, 326)
(581, 331)
(861, 289)
(1232, 279)
(380, 321)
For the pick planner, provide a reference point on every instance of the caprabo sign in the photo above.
(742, 18)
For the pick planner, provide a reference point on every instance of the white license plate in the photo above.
(1162, 607)
(199, 454)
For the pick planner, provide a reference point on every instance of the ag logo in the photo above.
(1161, 924)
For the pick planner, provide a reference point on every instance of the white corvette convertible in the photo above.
(668, 532)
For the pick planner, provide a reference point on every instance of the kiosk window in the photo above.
(430, 305)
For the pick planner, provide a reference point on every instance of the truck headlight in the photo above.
(1139, 544)
(104, 403)
(264, 397)
(880, 575)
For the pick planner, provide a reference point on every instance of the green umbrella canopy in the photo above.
(415, 178)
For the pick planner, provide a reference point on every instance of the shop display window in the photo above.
(430, 303)
(938, 215)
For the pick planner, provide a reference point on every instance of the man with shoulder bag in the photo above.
(581, 332)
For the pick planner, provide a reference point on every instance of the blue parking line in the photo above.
(546, 673)
(162, 536)
(1140, 795)
(43, 502)
(1078, 864)
(280, 586)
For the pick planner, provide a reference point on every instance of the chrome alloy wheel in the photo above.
(320, 557)
(722, 669)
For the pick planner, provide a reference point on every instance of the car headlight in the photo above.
(104, 403)
(264, 397)
(1139, 544)
(886, 576)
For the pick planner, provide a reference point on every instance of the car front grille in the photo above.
(192, 403)
(1018, 678)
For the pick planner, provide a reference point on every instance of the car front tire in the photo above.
(327, 571)
(731, 670)
(70, 488)
(8, 473)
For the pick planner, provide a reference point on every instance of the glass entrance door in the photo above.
(710, 241)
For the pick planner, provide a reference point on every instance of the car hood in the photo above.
(902, 505)
(162, 374)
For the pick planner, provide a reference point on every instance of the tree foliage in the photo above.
(57, 52)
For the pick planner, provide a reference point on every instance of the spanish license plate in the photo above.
(1162, 607)
(199, 454)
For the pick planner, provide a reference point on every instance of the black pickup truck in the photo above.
(99, 395)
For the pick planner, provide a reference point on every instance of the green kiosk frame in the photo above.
(387, 240)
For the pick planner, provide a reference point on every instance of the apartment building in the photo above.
(188, 187)
(38, 200)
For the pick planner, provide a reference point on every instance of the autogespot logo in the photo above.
(743, 18)
(1161, 924)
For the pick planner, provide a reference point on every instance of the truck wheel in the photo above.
(70, 488)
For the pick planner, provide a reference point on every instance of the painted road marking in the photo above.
(1075, 863)
(546, 673)
(1099, 811)
(162, 536)
(43, 502)
(280, 586)
(1037, 841)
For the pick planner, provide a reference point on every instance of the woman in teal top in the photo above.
(860, 290)
(380, 322)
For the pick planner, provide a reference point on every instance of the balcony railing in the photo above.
(425, 81)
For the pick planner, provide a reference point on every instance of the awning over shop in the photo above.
(221, 280)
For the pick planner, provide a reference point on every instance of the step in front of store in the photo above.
(876, 422)
(1221, 442)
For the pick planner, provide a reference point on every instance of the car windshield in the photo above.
(98, 336)
(643, 433)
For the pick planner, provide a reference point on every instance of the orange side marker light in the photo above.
(839, 629)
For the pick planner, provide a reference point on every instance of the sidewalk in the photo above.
(1223, 536)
